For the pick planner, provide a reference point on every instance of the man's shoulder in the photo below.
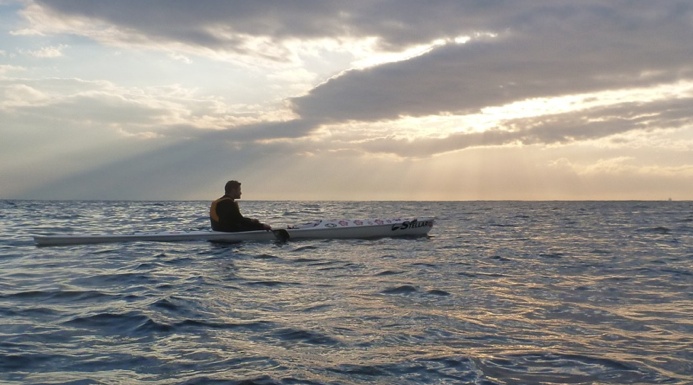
(226, 201)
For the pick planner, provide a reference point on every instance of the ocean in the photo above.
(499, 293)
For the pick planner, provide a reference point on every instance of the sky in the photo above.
(347, 100)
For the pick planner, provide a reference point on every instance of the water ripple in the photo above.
(502, 293)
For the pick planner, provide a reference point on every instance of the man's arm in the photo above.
(246, 223)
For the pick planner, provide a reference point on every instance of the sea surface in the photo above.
(499, 293)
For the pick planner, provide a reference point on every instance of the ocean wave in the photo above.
(503, 293)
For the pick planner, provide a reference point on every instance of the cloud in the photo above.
(105, 105)
(540, 49)
(624, 166)
(390, 80)
(566, 128)
(463, 78)
(268, 29)
(48, 52)
(7, 68)
(243, 27)
(515, 51)
(18, 95)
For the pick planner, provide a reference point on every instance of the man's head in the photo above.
(233, 189)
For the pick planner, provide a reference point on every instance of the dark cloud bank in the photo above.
(519, 50)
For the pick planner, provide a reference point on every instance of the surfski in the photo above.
(319, 229)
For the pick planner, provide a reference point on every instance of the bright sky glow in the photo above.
(442, 100)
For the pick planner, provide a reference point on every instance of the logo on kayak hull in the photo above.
(415, 224)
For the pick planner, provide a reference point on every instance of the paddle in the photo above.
(281, 235)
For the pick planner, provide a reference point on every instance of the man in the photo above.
(226, 216)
